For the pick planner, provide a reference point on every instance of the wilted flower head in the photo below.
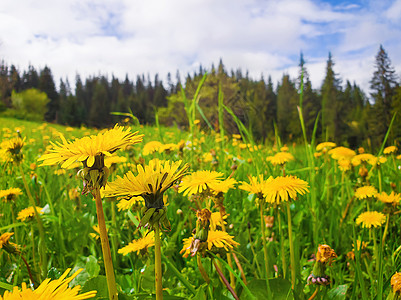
(324, 257)
(396, 283)
(325, 254)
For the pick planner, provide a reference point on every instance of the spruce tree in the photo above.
(383, 85)
(46, 84)
(331, 91)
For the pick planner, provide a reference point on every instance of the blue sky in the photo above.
(118, 37)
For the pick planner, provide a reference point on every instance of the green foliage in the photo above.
(30, 104)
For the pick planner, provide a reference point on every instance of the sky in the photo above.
(131, 37)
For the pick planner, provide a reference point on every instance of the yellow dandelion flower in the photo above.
(10, 150)
(115, 159)
(344, 164)
(126, 204)
(365, 192)
(151, 147)
(371, 218)
(325, 146)
(390, 150)
(317, 154)
(237, 136)
(341, 152)
(393, 198)
(222, 186)
(396, 283)
(207, 157)
(365, 157)
(284, 149)
(29, 213)
(280, 189)
(199, 181)
(217, 238)
(255, 185)
(217, 220)
(139, 245)
(10, 194)
(50, 290)
(96, 234)
(4, 238)
(150, 183)
(87, 148)
(168, 147)
(280, 158)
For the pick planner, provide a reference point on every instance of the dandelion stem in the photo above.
(108, 264)
(158, 264)
(240, 268)
(262, 224)
(42, 247)
(225, 281)
(202, 269)
(28, 269)
(229, 259)
(14, 222)
(386, 229)
(282, 245)
(315, 293)
(375, 249)
(292, 254)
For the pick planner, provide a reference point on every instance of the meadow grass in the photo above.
(325, 215)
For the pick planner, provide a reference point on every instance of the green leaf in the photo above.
(281, 289)
(99, 284)
(6, 286)
(148, 279)
(338, 293)
(92, 267)
(201, 293)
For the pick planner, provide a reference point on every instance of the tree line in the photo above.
(335, 111)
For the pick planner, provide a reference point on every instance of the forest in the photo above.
(338, 110)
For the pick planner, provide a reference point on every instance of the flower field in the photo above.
(137, 212)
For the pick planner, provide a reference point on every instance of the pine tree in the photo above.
(287, 115)
(331, 91)
(311, 104)
(383, 85)
(46, 84)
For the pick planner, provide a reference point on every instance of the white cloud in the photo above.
(156, 36)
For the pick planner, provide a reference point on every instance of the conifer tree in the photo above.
(383, 85)
(46, 84)
(331, 92)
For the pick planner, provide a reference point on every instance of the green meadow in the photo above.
(278, 250)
